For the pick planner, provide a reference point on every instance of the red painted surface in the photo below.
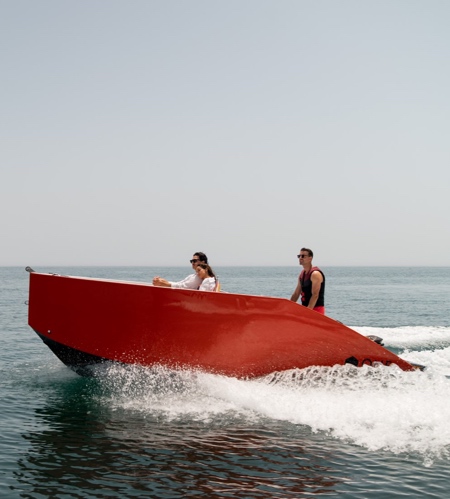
(232, 334)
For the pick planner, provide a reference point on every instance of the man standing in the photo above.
(311, 283)
(192, 281)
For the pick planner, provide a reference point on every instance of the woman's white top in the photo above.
(208, 284)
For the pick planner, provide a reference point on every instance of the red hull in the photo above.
(89, 320)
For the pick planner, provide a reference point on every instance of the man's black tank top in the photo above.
(305, 281)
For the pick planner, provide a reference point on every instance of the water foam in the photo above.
(379, 409)
(429, 346)
(410, 337)
(375, 408)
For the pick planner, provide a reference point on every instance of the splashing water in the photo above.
(380, 408)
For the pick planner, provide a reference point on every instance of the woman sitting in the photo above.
(209, 279)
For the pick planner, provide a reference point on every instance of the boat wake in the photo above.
(379, 409)
(424, 345)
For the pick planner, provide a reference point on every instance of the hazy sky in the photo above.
(136, 132)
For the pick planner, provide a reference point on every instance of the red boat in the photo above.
(87, 321)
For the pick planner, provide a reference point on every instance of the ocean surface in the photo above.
(336, 432)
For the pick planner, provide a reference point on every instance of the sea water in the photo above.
(135, 432)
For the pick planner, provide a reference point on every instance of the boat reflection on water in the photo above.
(101, 436)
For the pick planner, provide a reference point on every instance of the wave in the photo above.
(410, 337)
(425, 345)
(379, 409)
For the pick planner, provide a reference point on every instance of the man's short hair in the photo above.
(310, 253)
(202, 257)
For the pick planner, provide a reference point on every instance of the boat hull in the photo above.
(88, 321)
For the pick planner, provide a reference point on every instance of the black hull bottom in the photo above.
(81, 362)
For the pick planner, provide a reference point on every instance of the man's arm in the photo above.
(190, 282)
(316, 280)
(296, 294)
(159, 281)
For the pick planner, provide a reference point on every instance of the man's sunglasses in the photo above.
(302, 256)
